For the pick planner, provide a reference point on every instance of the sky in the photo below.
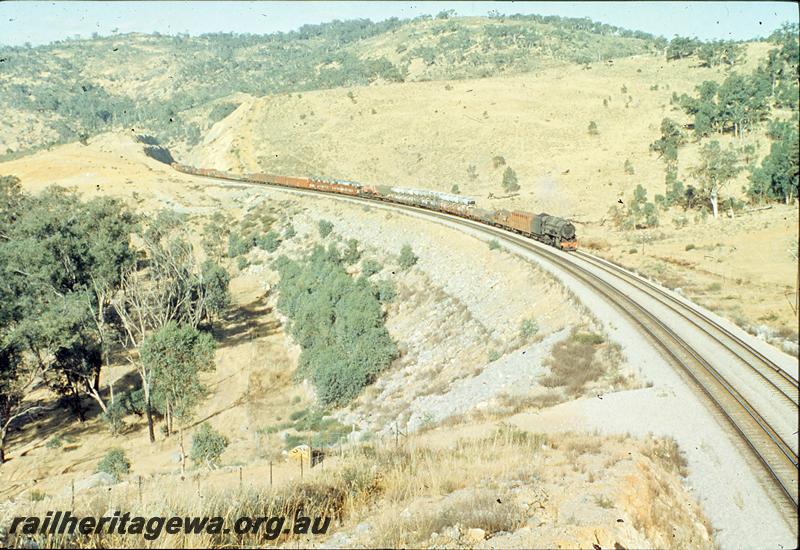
(44, 22)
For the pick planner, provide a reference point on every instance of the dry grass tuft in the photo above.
(666, 452)
(517, 403)
(573, 363)
(489, 510)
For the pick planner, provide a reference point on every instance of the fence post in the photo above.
(240, 476)
(301, 465)
(270, 473)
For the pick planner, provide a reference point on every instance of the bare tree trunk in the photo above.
(76, 399)
(149, 409)
(95, 394)
(183, 453)
(150, 431)
(168, 419)
(96, 381)
(110, 385)
(3, 434)
(714, 199)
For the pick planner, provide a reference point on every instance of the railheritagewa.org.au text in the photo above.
(153, 527)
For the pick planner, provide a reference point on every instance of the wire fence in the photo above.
(91, 492)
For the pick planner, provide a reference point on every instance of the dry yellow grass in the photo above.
(507, 482)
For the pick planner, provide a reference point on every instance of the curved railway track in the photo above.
(781, 382)
(779, 460)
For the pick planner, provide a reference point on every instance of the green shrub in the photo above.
(115, 463)
(325, 227)
(385, 292)
(133, 402)
(269, 242)
(593, 128)
(510, 182)
(238, 245)
(242, 263)
(498, 161)
(690, 247)
(407, 257)
(455, 190)
(528, 328)
(494, 355)
(207, 446)
(370, 267)
(59, 441)
(588, 338)
(351, 252)
(494, 244)
(221, 110)
(680, 222)
(36, 495)
(113, 416)
(338, 323)
(289, 232)
(628, 167)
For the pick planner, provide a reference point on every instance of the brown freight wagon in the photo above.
(521, 221)
(303, 183)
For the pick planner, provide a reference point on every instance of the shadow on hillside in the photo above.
(55, 417)
(246, 323)
(237, 403)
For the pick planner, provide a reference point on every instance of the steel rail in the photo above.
(763, 366)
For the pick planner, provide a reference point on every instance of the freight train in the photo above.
(543, 227)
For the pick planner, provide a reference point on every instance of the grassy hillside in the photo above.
(427, 134)
(60, 92)
(466, 133)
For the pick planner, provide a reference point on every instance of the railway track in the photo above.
(781, 382)
(776, 456)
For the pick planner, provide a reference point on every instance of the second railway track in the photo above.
(783, 383)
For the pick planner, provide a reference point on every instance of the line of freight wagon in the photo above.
(543, 227)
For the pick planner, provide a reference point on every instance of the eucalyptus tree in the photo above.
(175, 355)
(717, 167)
(172, 288)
